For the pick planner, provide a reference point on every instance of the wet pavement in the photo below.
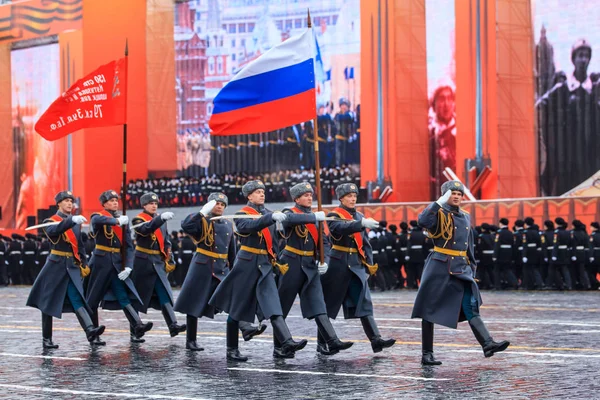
(554, 353)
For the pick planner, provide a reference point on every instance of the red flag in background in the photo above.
(98, 99)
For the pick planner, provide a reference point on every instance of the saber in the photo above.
(30, 228)
(258, 216)
(236, 217)
(140, 224)
(38, 226)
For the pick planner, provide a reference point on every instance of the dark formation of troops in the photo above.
(254, 264)
(194, 191)
(519, 257)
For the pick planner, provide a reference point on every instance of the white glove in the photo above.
(553, 258)
(322, 267)
(494, 259)
(369, 223)
(37, 262)
(124, 274)
(123, 220)
(573, 258)
(525, 260)
(20, 262)
(545, 259)
(406, 258)
(180, 261)
(591, 259)
(445, 197)
(79, 219)
(279, 216)
(396, 260)
(320, 216)
(208, 207)
(167, 216)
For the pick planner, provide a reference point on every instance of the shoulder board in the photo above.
(465, 211)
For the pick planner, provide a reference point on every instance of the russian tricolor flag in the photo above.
(272, 92)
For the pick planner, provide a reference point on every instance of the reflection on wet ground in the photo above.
(555, 353)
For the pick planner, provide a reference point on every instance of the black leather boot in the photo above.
(288, 346)
(334, 345)
(138, 327)
(249, 330)
(233, 352)
(485, 339)
(372, 332)
(190, 335)
(47, 332)
(86, 323)
(97, 341)
(133, 338)
(427, 344)
(322, 344)
(169, 315)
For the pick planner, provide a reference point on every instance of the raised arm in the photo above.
(148, 227)
(248, 226)
(60, 228)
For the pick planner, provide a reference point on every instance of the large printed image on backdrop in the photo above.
(215, 39)
(567, 92)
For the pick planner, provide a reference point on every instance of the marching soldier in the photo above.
(531, 242)
(15, 254)
(594, 247)
(415, 255)
(518, 249)
(378, 280)
(153, 261)
(29, 255)
(547, 248)
(396, 260)
(186, 253)
(303, 276)
(448, 292)
(350, 257)
(215, 253)
(58, 288)
(250, 289)
(503, 257)
(403, 252)
(44, 251)
(561, 259)
(485, 248)
(110, 285)
(579, 244)
(3, 261)
(387, 241)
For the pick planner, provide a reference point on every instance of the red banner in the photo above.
(98, 99)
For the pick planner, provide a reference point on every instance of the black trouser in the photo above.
(592, 270)
(554, 276)
(484, 275)
(14, 267)
(532, 279)
(504, 275)
(413, 272)
(3, 272)
(579, 271)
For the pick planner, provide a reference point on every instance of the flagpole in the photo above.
(318, 171)
(124, 189)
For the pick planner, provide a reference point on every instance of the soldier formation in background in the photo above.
(189, 191)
